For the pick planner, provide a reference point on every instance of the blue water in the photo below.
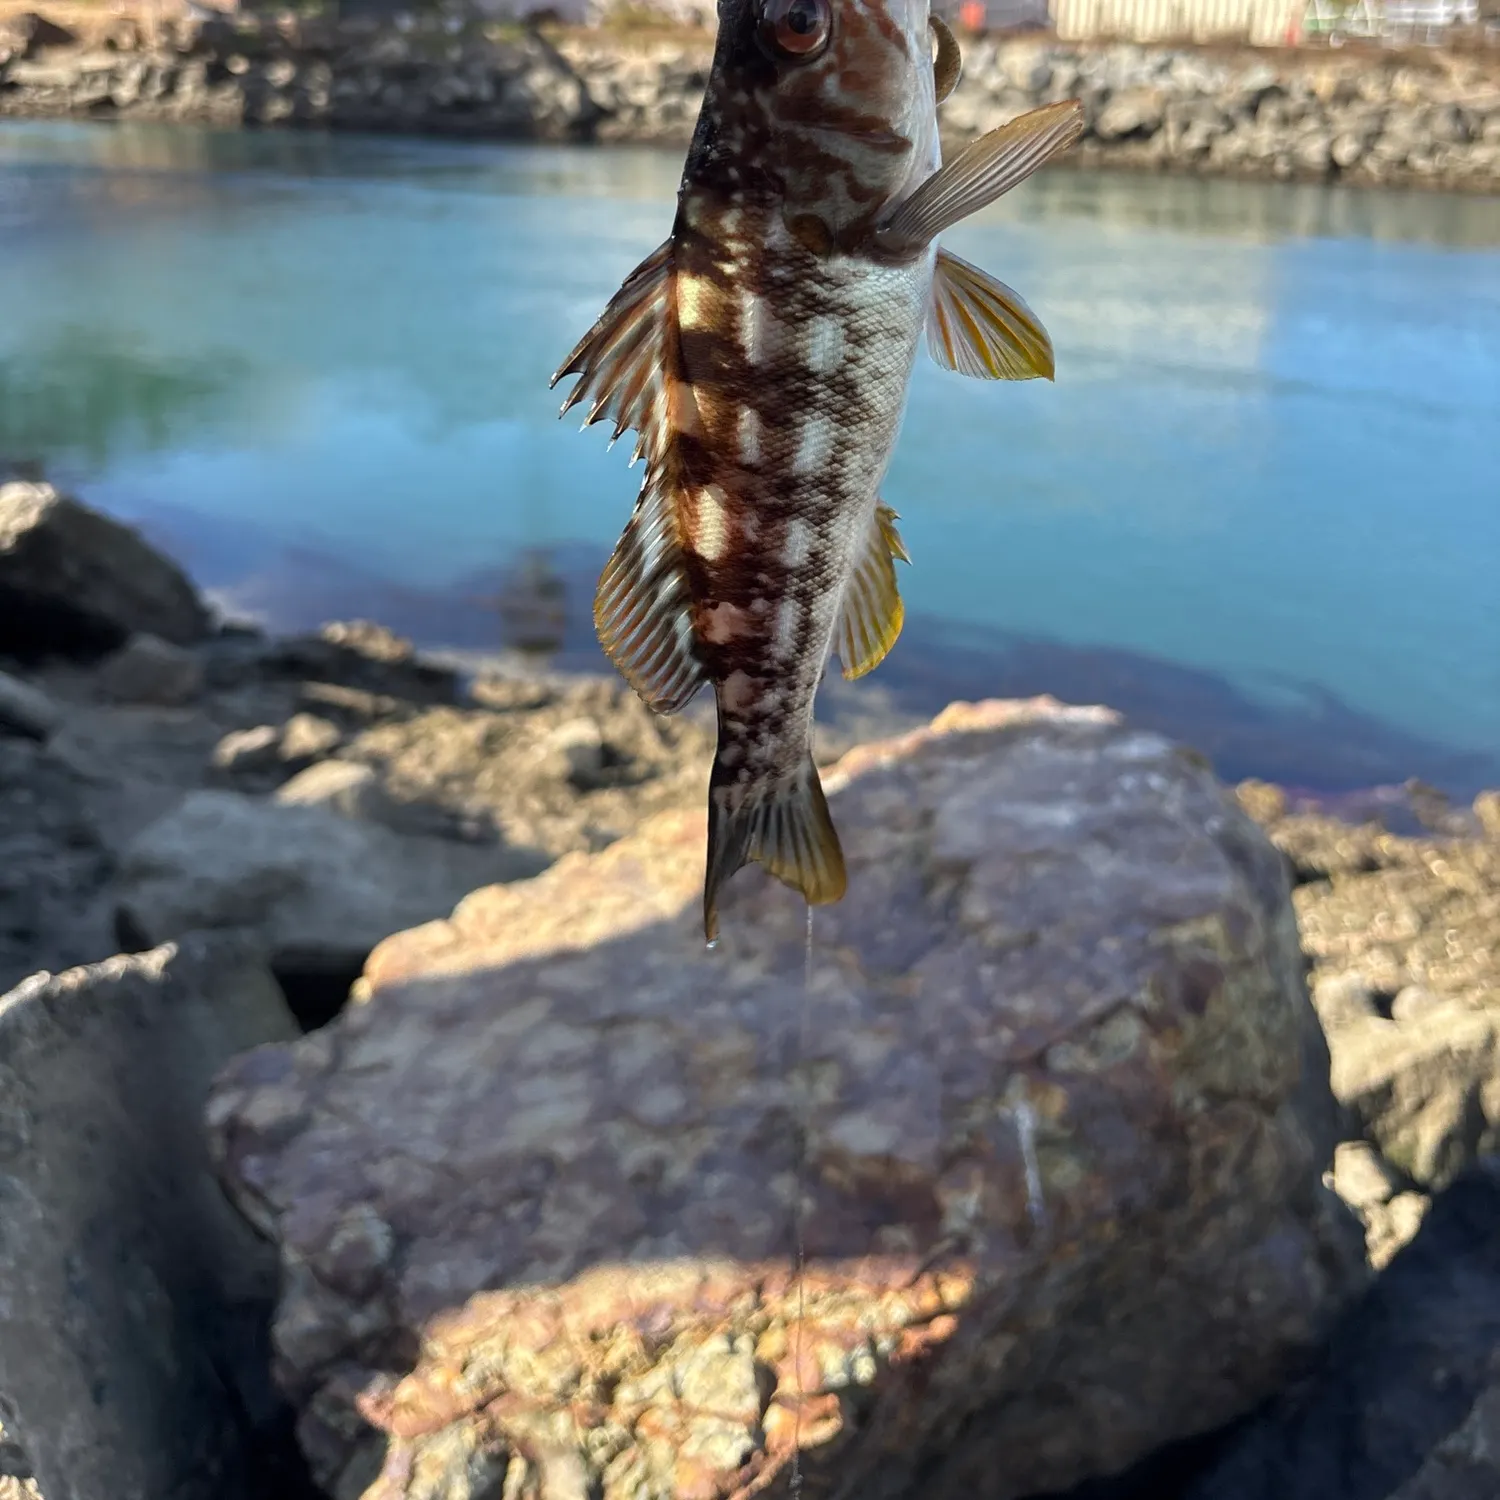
(1271, 456)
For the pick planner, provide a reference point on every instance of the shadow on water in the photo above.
(1300, 735)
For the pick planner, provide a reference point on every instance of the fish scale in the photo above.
(762, 355)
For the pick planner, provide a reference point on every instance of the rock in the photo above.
(147, 669)
(360, 655)
(1133, 112)
(502, 767)
(1426, 1093)
(576, 751)
(1265, 803)
(27, 34)
(1396, 911)
(53, 864)
(1487, 810)
(339, 785)
(248, 750)
(1466, 1464)
(321, 889)
(1374, 1190)
(132, 1298)
(76, 581)
(26, 710)
(1405, 1365)
(306, 737)
(1361, 1176)
(1342, 998)
(551, 1158)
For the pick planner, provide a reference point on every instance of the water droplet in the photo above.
(711, 944)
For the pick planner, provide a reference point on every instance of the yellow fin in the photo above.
(873, 611)
(948, 65)
(980, 173)
(642, 608)
(979, 326)
(622, 359)
(787, 829)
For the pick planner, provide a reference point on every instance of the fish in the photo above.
(762, 354)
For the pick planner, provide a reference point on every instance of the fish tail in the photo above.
(783, 825)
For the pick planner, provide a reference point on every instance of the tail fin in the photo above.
(785, 826)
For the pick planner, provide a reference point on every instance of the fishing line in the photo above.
(804, 1126)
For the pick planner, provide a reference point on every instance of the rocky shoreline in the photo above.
(1361, 115)
(432, 870)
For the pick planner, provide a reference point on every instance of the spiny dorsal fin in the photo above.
(979, 326)
(621, 360)
(980, 173)
(948, 65)
(873, 611)
(788, 829)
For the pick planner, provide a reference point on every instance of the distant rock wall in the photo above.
(1363, 114)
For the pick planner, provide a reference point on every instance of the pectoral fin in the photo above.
(873, 612)
(979, 326)
(948, 65)
(622, 359)
(980, 173)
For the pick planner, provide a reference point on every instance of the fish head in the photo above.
(828, 106)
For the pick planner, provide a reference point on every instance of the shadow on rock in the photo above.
(1404, 1366)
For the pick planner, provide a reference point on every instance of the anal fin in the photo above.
(979, 326)
(787, 829)
(873, 612)
(642, 607)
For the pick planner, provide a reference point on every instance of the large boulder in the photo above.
(133, 1299)
(1048, 1090)
(72, 580)
(321, 889)
(26, 710)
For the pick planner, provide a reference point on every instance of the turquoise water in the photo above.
(1266, 475)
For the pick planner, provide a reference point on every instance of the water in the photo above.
(1260, 506)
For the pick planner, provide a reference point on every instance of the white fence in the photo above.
(1265, 23)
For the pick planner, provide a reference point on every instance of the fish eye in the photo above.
(797, 29)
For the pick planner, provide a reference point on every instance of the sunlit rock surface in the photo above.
(535, 1195)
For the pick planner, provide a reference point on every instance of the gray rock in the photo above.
(25, 709)
(1466, 1464)
(132, 1298)
(74, 580)
(342, 786)
(248, 750)
(1134, 112)
(1068, 1121)
(147, 669)
(321, 889)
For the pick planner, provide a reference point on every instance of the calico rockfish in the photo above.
(762, 355)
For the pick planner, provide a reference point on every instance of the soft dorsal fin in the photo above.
(980, 173)
(622, 360)
(948, 65)
(643, 607)
(873, 611)
(979, 326)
